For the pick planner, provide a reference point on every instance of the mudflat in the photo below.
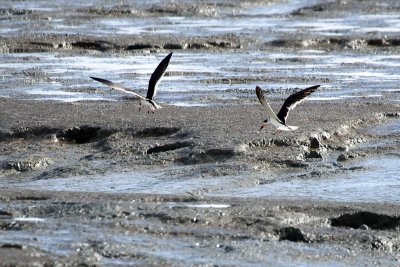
(101, 183)
(47, 141)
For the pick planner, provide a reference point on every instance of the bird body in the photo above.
(152, 88)
(279, 119)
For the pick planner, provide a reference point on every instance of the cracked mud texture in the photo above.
(44, 140)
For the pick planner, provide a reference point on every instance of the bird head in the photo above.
(264, 124)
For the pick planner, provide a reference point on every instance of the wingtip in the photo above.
(259, 93)
(167, 59)
(313, 88)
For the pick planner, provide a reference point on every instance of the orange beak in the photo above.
(263, 125)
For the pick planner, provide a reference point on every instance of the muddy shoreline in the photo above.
(90, 137)
(47, 140)
(98, 183)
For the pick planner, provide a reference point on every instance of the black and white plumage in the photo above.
(152, 88)
(279, 119)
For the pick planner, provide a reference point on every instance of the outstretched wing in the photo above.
(117, 86)
(293, 100)
(156, 76)
(263, 101)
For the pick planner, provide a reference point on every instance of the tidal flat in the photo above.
(88, 179)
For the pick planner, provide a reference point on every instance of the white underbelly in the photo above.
(282, 127)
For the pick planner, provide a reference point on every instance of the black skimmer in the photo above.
(153, 84)
(279, 119)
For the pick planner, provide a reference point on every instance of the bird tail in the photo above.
(153, 104)
(157, 106)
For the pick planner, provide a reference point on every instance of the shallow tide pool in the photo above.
(374, 179)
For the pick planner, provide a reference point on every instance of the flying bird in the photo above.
(152, 88)
(279, 119)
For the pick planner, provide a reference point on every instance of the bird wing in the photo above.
(156, 76)
(117, 86)
(263, 101)
(293, 100)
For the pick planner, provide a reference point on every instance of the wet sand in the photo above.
(42, 142)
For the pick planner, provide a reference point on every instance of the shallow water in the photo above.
(365, 180)
(201, 78)
(130, 182)
(392, 127)
(268, 20)
(378, 182)
(182, 250)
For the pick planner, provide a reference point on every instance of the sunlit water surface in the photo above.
(201, 78)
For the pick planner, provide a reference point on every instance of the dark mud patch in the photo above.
(372, 220)
(125, 43)
(9, 245)
(291, 163)
(382, 42)
(169, 147)
(209, 156)
(313, 155)
(292, 234)
(94, 45)
(349, 156)
(139, 46)
(5, 214)
(305, 11)
(28, 133)
(83, 134)
(32, 198)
